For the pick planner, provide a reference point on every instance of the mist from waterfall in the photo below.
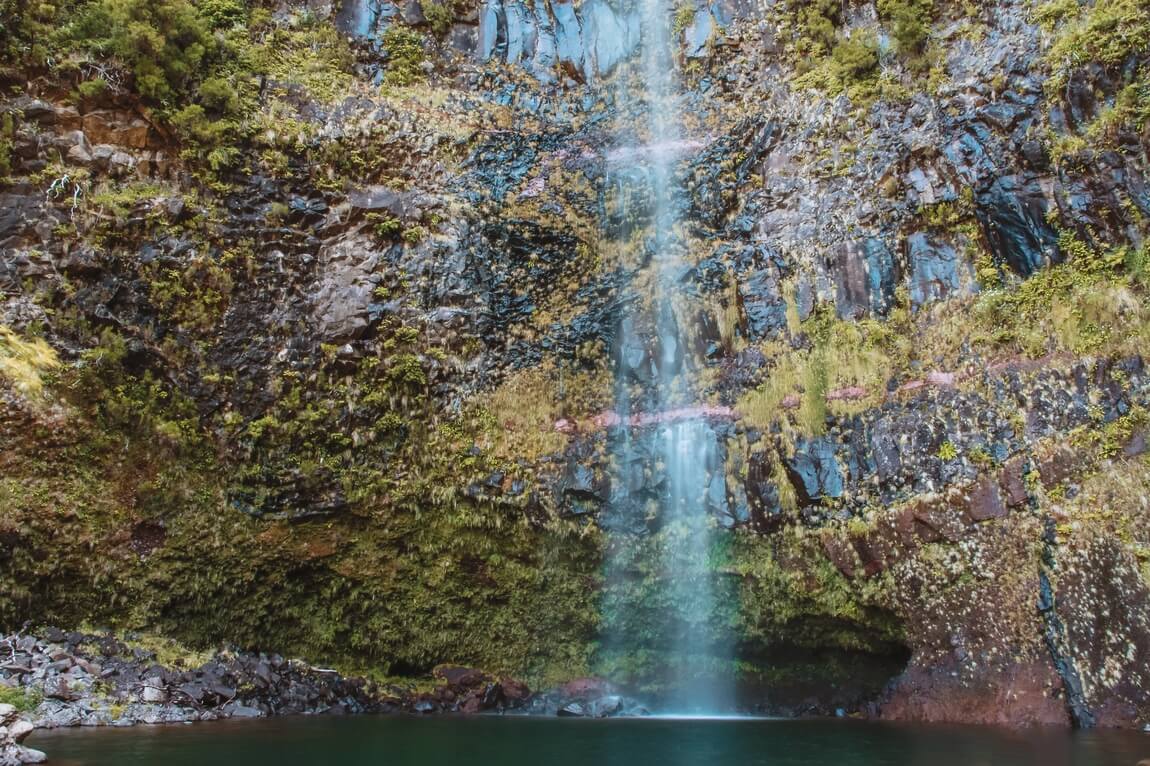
(682, 451)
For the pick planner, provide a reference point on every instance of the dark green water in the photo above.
(385, 741)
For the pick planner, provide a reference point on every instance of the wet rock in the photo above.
(763, 305)
(865, 278)
(572, 710)
(13, 731)
(762, 493)
(814, 471)
(936, 270)
(1013, 216)
(609, 36)
(698, 34)
(605, 707)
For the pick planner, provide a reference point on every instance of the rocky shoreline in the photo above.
(64, 679)
(55, 679)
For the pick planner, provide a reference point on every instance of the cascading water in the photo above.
(670, 473)
(358, 17)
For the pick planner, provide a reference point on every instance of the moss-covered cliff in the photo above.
(309, 338)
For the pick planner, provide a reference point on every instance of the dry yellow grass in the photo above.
(23, 363)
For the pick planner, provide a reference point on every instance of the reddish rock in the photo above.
(876, 550)
(911, 530)
(117, 128)
(941, 516)
(842, 554)
(472, 704)
(1104, 603)
(1057, 466)
(1013, 482)
(1024, 695)
(459, 676)
(515, 691)
(985, 500)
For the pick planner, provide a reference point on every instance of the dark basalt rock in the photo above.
(936, 270)
(814, 471)
(1012, 212)
(866, 276)
(762, 493)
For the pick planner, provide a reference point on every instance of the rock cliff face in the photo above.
(348, 389)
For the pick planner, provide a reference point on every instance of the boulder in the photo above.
(117, 128)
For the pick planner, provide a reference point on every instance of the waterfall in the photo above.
(669, 517)
(357, 17)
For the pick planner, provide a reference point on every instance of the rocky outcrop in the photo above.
(80, 679)
(14, 729)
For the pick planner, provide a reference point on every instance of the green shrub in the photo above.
(817, 26)
(90, 89)
(7, 131)
(856, 57)
(439, 18)
(219, 95)
(26, 28)
(404, 56)
(222, 14)
(910, 21)
(1109, 32)
(165, 43)
(25, 700)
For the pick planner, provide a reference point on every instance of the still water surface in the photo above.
(390, 741)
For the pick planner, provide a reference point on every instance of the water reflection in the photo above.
(665, 742)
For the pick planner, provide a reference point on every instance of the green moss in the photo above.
(401, 583)
(1108, 32)
(805, 601)
(7, 133)
(684, 16)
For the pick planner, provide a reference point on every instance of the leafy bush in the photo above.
(817, 23)
(404, 56)
(222, 14)
(165, 43)
(856, 57)
(1109, 32)
(439, 18)
(7, 130)
(911, 23)
(25, 700)
(26, 27)
(1114, 33)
